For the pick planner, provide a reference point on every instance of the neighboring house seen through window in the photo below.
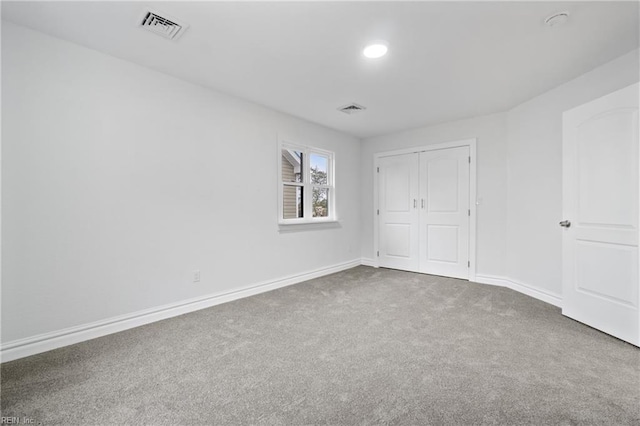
(306, 184)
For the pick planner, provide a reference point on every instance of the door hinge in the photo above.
(378, 169)
(468, 264)
(378, 254)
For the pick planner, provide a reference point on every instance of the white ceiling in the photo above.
(446, 61)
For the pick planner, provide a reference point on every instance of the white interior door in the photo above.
(444, 212)
(600, 191)
(398, 213)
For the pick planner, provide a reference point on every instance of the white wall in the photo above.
(534, 152)
(119, 181)
(491, 181)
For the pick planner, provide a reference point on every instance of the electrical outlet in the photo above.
(196, 276)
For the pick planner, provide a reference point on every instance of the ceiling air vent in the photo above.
(162, 24)
(351, 108)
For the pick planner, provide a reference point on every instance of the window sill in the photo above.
(308, 225)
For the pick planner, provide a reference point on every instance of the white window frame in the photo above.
(307, 186)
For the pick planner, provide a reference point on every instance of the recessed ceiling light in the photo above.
(557, 19)
(375, 50)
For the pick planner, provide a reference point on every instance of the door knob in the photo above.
(565, 223)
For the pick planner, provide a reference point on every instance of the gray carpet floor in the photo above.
(363, 346)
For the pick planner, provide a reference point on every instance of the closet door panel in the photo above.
(444, 212)
(398, 183)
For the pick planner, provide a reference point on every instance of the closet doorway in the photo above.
(425, 209)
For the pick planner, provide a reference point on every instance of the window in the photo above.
(307, 190)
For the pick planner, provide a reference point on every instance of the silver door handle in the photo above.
(565, 223)
(423, 203)
(415, 203)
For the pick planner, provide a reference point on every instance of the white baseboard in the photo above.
(492, 280)
(368, 262)
(537, 293)
(45, 342)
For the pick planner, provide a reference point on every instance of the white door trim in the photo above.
(471, 143)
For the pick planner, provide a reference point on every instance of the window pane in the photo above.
(320, 202)
(319, 169)
(291, 165)
(292, 202)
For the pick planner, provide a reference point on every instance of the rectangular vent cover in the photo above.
(351, 108)
(162, 25)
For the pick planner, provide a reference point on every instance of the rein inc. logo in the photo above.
(18, 421)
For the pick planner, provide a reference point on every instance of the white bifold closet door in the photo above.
(423, 201)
